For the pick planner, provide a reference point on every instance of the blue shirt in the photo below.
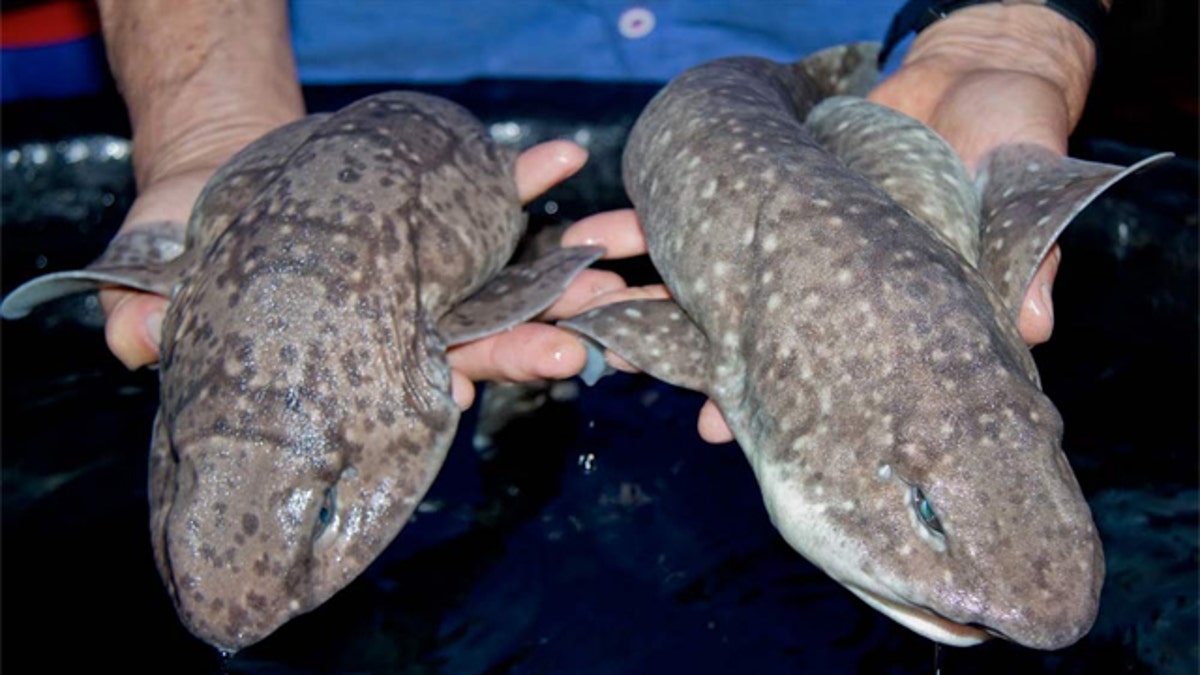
(448, 41)
(432, 41)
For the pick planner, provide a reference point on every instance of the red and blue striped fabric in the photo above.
(51, 49)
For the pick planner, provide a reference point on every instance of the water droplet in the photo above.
(587, 462)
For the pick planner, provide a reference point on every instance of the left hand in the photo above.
(977, 112)
(537, 351)
(993, 74)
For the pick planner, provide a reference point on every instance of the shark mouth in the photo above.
(923, 621)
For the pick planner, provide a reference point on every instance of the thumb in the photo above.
(134, 327)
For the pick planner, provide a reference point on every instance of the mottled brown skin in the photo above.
(305, 398)
(305, 389)
(857, 356)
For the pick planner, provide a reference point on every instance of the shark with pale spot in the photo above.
(305, 393)
(848, 297)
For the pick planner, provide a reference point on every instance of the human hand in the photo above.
(989, 75)
(133, 322)
(977, 112)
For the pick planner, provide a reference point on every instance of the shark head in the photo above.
(966, 527)
(285, 461)
(263, 510)
(245, 551)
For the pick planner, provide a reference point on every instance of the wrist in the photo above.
(168, 144)
(200, 79)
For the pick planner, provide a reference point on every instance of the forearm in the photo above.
(200, 78)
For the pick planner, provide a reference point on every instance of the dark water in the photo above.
(599, 534)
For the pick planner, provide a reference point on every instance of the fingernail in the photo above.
(1034, 306)
(1044, 291)
(154, 328)
(463, 395)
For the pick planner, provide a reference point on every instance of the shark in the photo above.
(848, 296)
(305, 403)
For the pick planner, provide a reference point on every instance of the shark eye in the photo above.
(925, 512)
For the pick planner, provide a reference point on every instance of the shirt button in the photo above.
(636, 22)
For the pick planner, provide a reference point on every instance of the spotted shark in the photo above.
(305, 393)
(848, 296)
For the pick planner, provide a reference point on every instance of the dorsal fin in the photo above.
(1030, 194)
(906, 159)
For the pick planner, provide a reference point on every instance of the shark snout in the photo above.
(1063, 606)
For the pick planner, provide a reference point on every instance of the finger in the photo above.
(655, 292)
(134, 326)
(712, 424)
(530, 351)
(545, 165)
(462, 389)
(583, 290)
(619, 232)
(1036, 321)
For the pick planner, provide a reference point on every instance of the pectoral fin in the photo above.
(149, 258)
(518, 293)
(1030, 195)
(657, 336)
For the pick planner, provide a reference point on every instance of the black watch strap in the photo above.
(916, 15)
